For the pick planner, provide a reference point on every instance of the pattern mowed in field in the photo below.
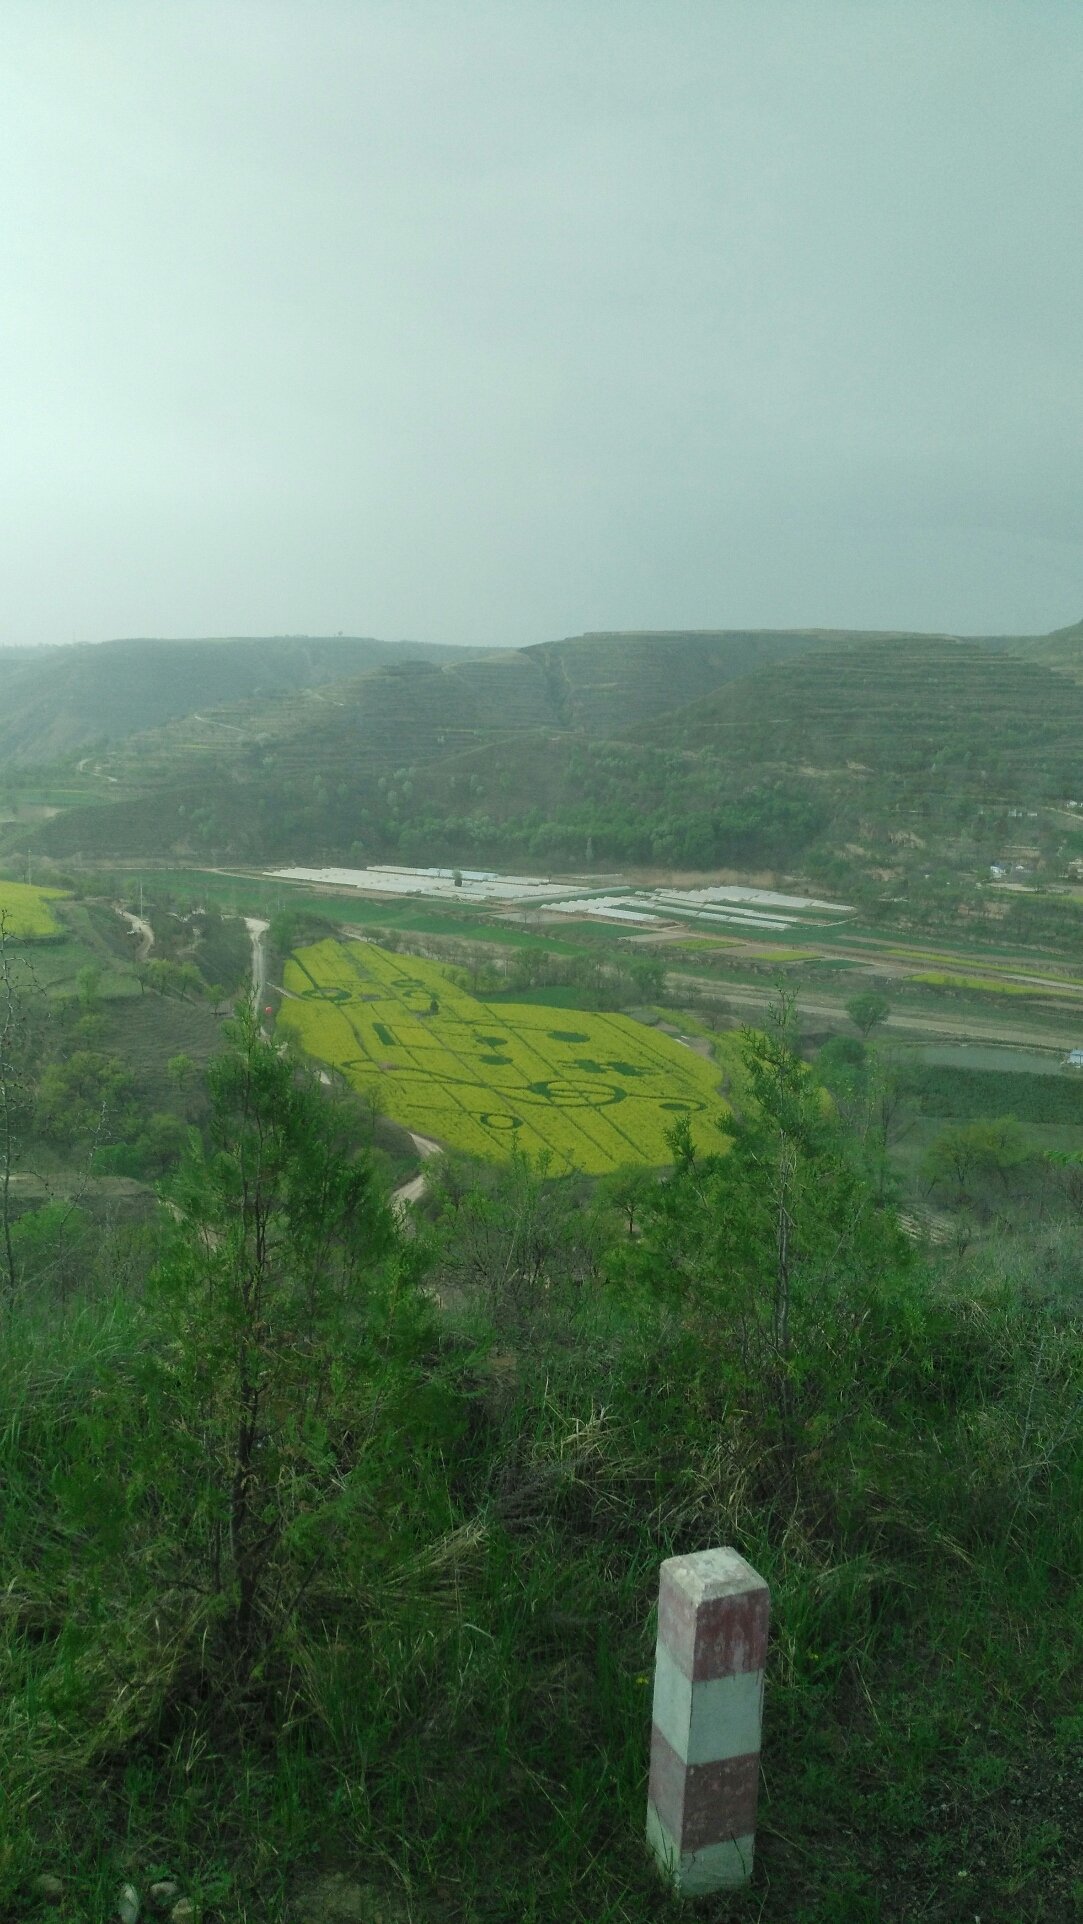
(26, 910)
(591, 1091)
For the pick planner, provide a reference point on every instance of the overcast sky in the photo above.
(493, 322)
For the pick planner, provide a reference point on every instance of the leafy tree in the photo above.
(154, 1150)
(88, 983)
(183, 1072)
(626, 1190)
(867, 1010)
(982, 1148)
(180, 979)
(871, 1096)
(81, 1096)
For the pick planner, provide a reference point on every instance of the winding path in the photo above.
(407, 1192)
(412, 1191)
(139, 927)
(257, 934)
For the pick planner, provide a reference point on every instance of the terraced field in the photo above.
(590, 1091)
(27, 912)
(950, 716)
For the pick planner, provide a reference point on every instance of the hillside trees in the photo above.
(985, 1148)
(276, 1546)
(777, 1258)
(273, 1295)
(80, 1094)
(15, 1097)
(514, 1240)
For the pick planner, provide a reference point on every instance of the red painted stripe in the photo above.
(702, 1804)
(666, 1789)
(720, 1638)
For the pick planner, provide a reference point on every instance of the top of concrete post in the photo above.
(713, 1609)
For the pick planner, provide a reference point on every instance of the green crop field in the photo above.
(959, 1094)
(590, 1091)
(27, 911)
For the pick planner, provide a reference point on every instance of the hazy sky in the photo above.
(493, 322)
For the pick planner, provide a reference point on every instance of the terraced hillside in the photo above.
(1063, 650)
(602, 684)
(357, 761)
(56, 701)
(824, 763)
(950, 714)
(416, 712)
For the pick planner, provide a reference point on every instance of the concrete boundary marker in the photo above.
(713, 1610)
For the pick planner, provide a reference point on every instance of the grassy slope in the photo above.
(481, 1745)
(949, 714)
(505, 723)
(858, 744)
(471, 1740)
(59, 700)
(1062, 650)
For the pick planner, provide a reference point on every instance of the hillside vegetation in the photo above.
(950, 716)
(330, 1549)
(1063, 649)
(895, 770)
(57, 701)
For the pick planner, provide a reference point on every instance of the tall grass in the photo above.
(454, 1697)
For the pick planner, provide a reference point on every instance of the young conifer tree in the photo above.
(284, 1254)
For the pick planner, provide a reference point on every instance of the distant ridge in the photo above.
(63, 699)
(695, 748)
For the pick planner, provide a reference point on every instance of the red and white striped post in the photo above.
(708, 1712)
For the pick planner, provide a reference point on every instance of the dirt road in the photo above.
(257, 932)
(140, 928)
(1063, 1035)
(412, 1191)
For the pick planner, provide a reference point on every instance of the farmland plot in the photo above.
(591, 1091)
(27, 912)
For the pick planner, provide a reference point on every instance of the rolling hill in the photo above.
(950, 715)
(1062, 650)
(57, 702)
(812, 752)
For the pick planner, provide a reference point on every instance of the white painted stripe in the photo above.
(715, 1867)
(709, 1721)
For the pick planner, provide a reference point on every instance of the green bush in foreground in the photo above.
(295, 1563)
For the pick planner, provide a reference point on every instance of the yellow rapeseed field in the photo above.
(26, 910)
(590, 1091)
(986, 984)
